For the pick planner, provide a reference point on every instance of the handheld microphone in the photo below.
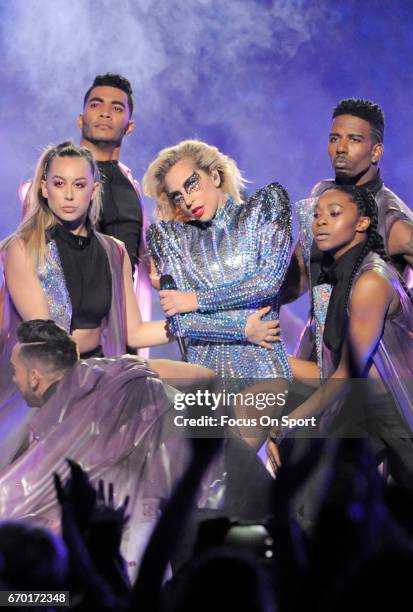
(167, 282)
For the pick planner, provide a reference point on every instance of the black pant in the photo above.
(377, 420)
(247, 496)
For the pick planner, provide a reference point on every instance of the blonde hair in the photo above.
(38, 218)
(205, 157)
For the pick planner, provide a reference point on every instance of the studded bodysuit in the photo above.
(236, 263)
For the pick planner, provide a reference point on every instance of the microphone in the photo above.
(167, 282)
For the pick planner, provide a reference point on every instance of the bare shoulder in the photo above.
(16, 245)
(371, 291)
(402, 227)
(401, 237)
(16, 253)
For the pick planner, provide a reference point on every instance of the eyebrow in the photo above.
(330, 205)
(79, 178)
(97, 99)
(338, 134)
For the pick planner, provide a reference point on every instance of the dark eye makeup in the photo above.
(193, 183)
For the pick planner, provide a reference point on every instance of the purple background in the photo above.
(256, 78)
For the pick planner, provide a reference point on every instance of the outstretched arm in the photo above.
(161, 546)
(175, 370)
(140, 333)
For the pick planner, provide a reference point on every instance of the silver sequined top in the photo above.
(320, 293)
(236, 263)
(53, 283)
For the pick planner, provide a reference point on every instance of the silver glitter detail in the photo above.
(54, 285)
(321, 299)
(305, 212)
(321, 293)
(236, 263)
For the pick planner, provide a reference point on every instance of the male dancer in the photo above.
(105, 120)
(110, 415)
(355, 148)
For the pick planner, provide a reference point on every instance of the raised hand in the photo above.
(78, 492)
(107, 523)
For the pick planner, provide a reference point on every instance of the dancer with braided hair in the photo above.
(355, 148)
(364, 321)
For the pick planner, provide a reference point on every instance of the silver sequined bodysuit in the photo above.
(236, 263)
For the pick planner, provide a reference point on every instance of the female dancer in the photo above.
(227, 257)
(57, 267)
(364, 317)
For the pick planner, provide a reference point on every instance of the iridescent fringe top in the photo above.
(320, 293)
(53, 283)
(236, 263)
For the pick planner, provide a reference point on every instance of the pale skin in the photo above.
(198, 194)
(69, 188)
(351, 150)
(366, 316)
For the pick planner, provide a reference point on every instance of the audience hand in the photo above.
(107, 523)
(78, 492)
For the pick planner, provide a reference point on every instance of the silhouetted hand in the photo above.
(78, 492)
(205, 449)
(107, 523)
(291, 478)
(77, 498)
